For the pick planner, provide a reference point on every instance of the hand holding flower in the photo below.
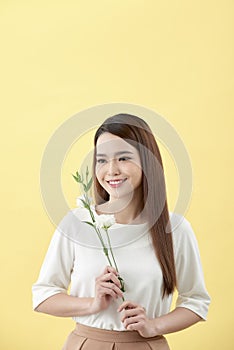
(107, 289)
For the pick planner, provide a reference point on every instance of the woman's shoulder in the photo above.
(74, 227)
(178, 222)
(71, 223)
(73, 216)
(182, 231)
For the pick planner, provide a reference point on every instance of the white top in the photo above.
(75, 255)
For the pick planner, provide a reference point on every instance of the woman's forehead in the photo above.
(110, 144)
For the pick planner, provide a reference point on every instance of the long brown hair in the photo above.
(137, 132)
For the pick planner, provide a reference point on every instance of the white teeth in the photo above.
(115, 182)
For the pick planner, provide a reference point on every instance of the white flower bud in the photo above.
(104, 221)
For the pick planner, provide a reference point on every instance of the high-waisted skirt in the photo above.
(90, 338)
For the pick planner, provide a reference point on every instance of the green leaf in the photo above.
(89, 223)
(77, 180)
(105, 251)
(78, 175)
(89, 184)
(84, 203)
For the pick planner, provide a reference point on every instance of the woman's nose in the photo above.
(113, 168)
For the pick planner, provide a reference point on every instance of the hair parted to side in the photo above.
(137, 132)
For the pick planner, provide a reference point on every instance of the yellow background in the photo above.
(61, 57)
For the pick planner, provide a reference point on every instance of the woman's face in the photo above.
(118, 166)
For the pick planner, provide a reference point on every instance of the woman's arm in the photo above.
(50, 290)
(65, 305)
(176, 320)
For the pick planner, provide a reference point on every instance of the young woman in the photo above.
(152, 258)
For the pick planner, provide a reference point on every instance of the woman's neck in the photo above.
(125, 211)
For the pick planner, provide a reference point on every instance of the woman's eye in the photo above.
(124, 158)
(101, 161)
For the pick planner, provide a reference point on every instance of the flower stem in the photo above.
(88, 207)
(107, 255)
(108, 238)
(120, 279)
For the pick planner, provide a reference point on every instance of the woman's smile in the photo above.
(116, 183)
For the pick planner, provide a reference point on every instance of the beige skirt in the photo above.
(90, 338)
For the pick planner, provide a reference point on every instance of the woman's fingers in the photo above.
(127, 305)
(113, 287)
(133, 321)
(107, 287)
(107, 291)
(131, 313)
(135, 318)
(109, 274)
(108, 283)
(111, 277)
(110, 269)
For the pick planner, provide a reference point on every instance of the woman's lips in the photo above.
(116, 183)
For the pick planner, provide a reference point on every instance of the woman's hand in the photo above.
(107, 288)
(134, 318)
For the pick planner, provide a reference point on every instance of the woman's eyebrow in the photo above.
(116, 154)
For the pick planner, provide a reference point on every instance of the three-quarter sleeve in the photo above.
(192, 292)
(55, 272)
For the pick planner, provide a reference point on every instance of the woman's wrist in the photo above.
(93, 309)
(157, 326)
(84, 306)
